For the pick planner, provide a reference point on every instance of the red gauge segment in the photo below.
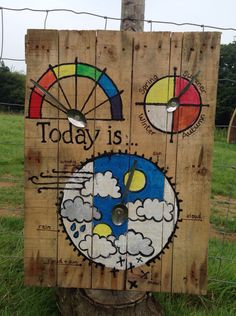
(190, 106)
(48, 79)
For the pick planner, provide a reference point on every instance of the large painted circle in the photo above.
(157, 97)
(92, 192)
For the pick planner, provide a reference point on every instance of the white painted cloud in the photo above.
(134, 244)
(79, 210)
(111, 238)
(81, 175)
(97, 246)
(103, 184)
(132, 207)
(156, 210)
(87, 168)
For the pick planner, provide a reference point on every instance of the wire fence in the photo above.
(223, 205)
(104, 21)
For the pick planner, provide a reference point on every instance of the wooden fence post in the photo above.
(132, 15)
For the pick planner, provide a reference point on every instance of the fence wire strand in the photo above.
(103, 17)
(45, 20)
(202, 26)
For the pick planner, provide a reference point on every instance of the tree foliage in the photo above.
(12, 85)
(226, 97)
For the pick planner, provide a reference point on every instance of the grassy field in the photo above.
(220, 300)
(223, 211)
(15, 299)
(11, 159)
(224, 166)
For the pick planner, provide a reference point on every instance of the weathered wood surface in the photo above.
(231, 135)
(105, 302)
(193, 169)
(75, 177)
(132, 15)
(41, 219)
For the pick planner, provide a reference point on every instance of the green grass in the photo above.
(223, 223)
(16, 299)
(12, 159)
(11, 145)
(220, 300)
(223, 213)
(224, 166)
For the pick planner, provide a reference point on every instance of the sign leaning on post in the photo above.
(118, 147)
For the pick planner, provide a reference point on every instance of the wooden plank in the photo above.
(76, 57)
(231, 134)
(170, 165)
(41, 49)
(200, 52)
(113, 53)
(151, 63)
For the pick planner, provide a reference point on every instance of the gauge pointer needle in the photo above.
(120, 211)
(174, 103)
(129, 181)
(75, 117)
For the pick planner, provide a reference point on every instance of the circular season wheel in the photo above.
(99, 186)
(156, 100)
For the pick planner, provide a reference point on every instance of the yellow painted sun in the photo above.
(138, 181)
(102, 230)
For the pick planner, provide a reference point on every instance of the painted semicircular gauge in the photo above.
(55, 76)
(100, 185)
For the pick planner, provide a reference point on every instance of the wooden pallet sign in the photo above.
(118, 147)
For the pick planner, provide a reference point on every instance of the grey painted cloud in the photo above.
(134, 243)
(97, 246)
(79, 210)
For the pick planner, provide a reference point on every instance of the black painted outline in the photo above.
(139, 253)
(51, 68)
(179, 131)
(119, 191)
(34, 180)
(136, 169)
(59, 84)
(144, 218)
(133, 284)
(75, 220)
(171, 237)
(100, 256)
